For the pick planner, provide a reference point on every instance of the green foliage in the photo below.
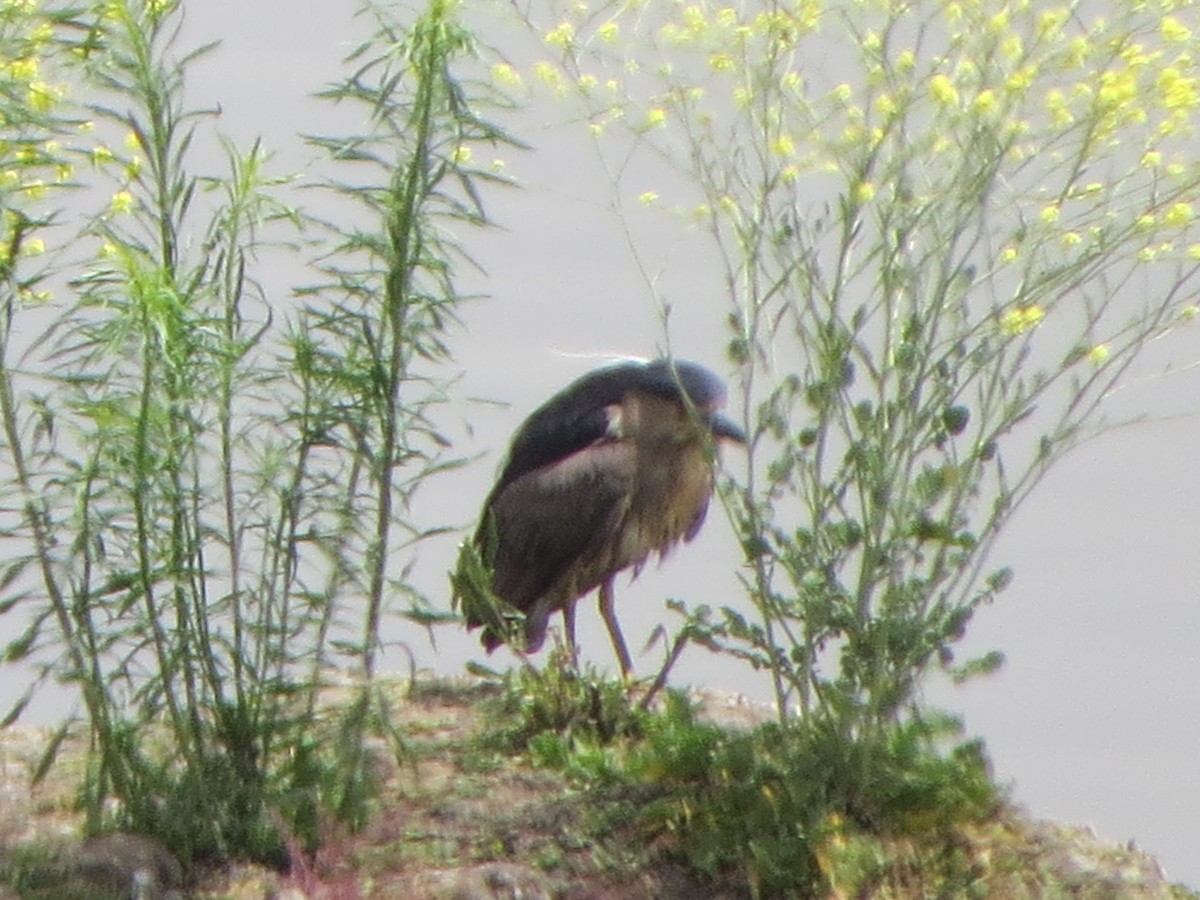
(472, 595)
(766, 808)
(379, 318)
(943, 232)
(205, 487)
(562, 706)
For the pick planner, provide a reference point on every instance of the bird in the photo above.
(616, 467)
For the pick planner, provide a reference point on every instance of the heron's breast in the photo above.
(670, 501)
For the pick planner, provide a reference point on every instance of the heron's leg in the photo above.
(614, 630)
(569, 627)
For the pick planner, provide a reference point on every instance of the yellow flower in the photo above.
(1078, 51)
(783, 145)
(1008, 254)
(122, 202)
(646, 198)
(1050, 213)
(547, 74)
(1178, 91)
(720, 62)
(864, 192)
(1021, 319)
(694, 21)
(1072, 239)
(1099, 354)
(42, 96)
(942, 89)
(33, 246)
(609, 32)
(1179, 215)
(1012, 47)
(504, 74)
(42, 34)
(561, 36)
(1173, 30)
(1193, 251)
(656, 117)
(24, 69)
(985, 102)
(101, 155)
(39, 297)
(461, 155)
(1151, 159)
(132, 141)
(1050, 23)
(1019, 81)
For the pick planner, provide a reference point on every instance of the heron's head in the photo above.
(701, 390)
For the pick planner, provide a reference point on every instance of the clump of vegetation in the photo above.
(207, 489)
(779, 809)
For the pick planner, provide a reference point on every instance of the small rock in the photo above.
(134, 865)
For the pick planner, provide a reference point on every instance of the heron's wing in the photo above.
(571, 421)
(550, 527)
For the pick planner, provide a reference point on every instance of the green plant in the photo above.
(562, 705)
(778, 810)
(210, 486)
(939, 255)
(943, 233)
(775, 799)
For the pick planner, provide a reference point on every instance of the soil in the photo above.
(458, 821)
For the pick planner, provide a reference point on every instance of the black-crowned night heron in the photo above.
(616, 467)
